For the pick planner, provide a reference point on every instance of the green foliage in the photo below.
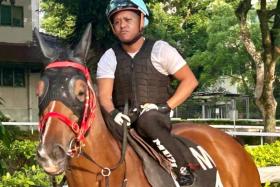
(266, 155)
(5, 135)
(269, 184)
(18, 165)
(57, 20)
(26, 177)
(165, 26)
(17, 154)
(224, 55)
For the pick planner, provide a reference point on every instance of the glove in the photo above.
(163, 108)
(120, 118)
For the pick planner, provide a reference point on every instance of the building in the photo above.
(20, 59)
(220, 101)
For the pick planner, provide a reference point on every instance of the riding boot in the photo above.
(185, 177)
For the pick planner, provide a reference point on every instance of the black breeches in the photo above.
(153, 125)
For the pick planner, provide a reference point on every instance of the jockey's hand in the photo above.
(163, 108)
(120, 118)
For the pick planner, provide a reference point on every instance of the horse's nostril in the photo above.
(39, 157)
(58, 152)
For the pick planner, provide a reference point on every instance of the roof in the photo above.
(24, 53)
(20, 53)
(209, 95)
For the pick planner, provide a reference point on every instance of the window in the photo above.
(12, 77)
(11, 16)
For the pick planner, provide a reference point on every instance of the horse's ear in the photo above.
(81, 50)
(47, 51)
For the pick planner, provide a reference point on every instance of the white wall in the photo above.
(17, 103)
(225, 83)
(19, 34)
(35, 13)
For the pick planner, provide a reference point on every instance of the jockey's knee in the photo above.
(153, 121)
(151, 115)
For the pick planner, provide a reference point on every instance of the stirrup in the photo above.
(185, 180)
(185, 177)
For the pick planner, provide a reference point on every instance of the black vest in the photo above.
(136, 79)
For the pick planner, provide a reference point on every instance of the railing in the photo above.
(247, 130)
(234, 130)
(31, 125)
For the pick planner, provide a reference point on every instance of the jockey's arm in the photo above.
(187, 84)
(105, 90)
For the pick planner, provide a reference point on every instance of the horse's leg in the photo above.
(235, 165)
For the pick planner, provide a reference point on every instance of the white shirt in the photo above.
(164, 57)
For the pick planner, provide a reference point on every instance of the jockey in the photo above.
(138, 70)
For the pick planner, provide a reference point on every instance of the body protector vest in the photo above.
(137, 80)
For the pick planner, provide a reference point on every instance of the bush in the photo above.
(17, 155)
(18, 165)
(26, 176)
(266, 155)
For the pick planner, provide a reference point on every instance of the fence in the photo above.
(234, 130)
(221, 107)
(24, 125)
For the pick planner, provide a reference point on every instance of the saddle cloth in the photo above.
(202, 165)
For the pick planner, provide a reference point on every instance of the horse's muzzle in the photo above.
(53, 159)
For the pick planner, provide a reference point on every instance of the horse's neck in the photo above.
(100, 142)
(105, 150)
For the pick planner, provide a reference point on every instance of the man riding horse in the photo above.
(138, 71)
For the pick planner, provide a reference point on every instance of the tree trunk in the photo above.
(267, 103)
(265, 63)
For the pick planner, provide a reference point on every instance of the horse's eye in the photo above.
(80, 88)
(42, 87)
(81, 93)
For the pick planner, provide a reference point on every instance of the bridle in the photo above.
(81, 129)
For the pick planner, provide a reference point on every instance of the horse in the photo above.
(71, 123)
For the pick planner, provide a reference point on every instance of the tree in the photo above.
(224, 54)
(58, 19)
(265, 59)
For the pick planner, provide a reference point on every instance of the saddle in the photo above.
(157, 167)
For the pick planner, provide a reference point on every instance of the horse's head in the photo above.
(66, 103)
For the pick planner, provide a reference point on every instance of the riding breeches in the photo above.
(155, 128)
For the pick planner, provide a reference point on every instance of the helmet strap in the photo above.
(142, 19)
(134, 40)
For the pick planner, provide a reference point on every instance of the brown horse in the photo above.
(71, 123)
